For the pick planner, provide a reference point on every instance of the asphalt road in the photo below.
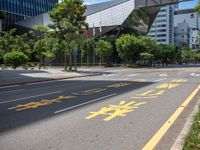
(119, 110)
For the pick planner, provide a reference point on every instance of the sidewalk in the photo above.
(11, 77)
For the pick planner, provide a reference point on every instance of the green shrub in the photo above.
(15, 59)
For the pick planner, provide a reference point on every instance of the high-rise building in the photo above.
(16, 10)
(187, 26)
(162, 29)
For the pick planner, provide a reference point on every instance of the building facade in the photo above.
(162, 29)
(187, 26)
(16, 10)
(113, 18)
(176, 27)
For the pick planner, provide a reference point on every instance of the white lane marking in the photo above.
(14, 100)
(3, 87)
(41, 82)
(160, 80)
(110, 75)
(66, 109)
(163, 75)
(133, 75)
(195, 75)
(11, 91)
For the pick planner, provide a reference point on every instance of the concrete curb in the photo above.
(179, 143)
(46, 80)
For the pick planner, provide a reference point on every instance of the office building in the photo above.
(16, 10)
(113, 18)
(162, 29)
(187, 26)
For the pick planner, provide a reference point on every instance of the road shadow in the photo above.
(11, 118)
(15, 76)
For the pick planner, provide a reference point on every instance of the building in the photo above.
(187, 26)
(162, 29)
(16, 10)
(177, 27)
(110, 19)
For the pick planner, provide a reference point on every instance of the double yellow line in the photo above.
(161, 132)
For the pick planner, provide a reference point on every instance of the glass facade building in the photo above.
(17, 10)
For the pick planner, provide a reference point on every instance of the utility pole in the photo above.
(94, 54)
(100, 30)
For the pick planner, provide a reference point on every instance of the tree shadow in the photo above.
(11, 119)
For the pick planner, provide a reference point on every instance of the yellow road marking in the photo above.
(44, 102)
(149, 94)
(161, 132)
(113, 111)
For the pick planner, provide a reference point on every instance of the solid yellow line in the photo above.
(161, 132)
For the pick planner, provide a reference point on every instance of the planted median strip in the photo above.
(192, 140)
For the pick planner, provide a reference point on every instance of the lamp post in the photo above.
(94, 54)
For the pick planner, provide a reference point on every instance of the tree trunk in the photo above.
(70, 62)
(40, 65)
(65, 59)
(88, 59)
(100, 60)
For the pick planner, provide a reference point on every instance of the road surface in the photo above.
(119, 110)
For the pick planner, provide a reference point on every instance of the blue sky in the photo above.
(183, 5)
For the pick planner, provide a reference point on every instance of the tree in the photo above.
(197, 8)
(22, 43)
(6, 41)
(68, 18)
(146, 57)
(165, 53)
(44, 48)
(129, 47)
(88, 48)
(103, 49)
(15, 58)
(148, 43)
(9, 41)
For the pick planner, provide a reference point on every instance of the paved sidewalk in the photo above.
(20, 76)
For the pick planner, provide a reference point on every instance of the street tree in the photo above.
(6, 41)
(88, 48)
(22, 43)
(148, 44)
(45, 48)
(165, 53)
(68, 18)
(146, 57)
(15, 58)
(197, 8)
(129, 47)
(104, 50)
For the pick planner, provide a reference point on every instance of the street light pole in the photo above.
(75, 52)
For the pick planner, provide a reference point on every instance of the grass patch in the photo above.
(192, 141)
